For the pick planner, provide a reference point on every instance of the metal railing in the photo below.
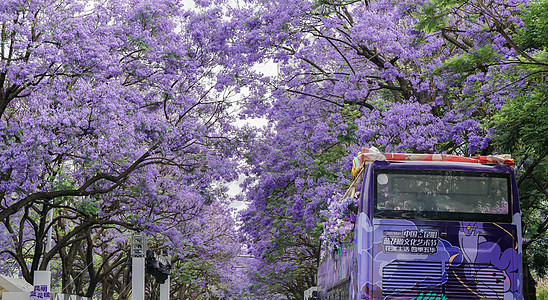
(59, 296)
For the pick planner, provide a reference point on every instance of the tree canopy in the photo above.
(123, 116)
(458, 77)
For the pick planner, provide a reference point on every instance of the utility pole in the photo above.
(138, 250)
(144, 260)
(164, 287)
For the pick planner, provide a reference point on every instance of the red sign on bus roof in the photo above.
(370, 154)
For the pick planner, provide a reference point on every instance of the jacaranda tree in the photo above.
(113, 118)
(417, 76)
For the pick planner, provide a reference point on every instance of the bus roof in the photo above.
(484, 159)
(372, 154)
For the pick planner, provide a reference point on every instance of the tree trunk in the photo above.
(529, 283)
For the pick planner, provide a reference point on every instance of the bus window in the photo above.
(433, 194)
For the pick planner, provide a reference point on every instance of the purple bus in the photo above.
(433, 228)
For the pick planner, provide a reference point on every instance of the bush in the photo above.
(542, 289)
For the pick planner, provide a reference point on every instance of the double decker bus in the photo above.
(436, 227)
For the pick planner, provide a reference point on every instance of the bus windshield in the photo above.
(442, 195)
